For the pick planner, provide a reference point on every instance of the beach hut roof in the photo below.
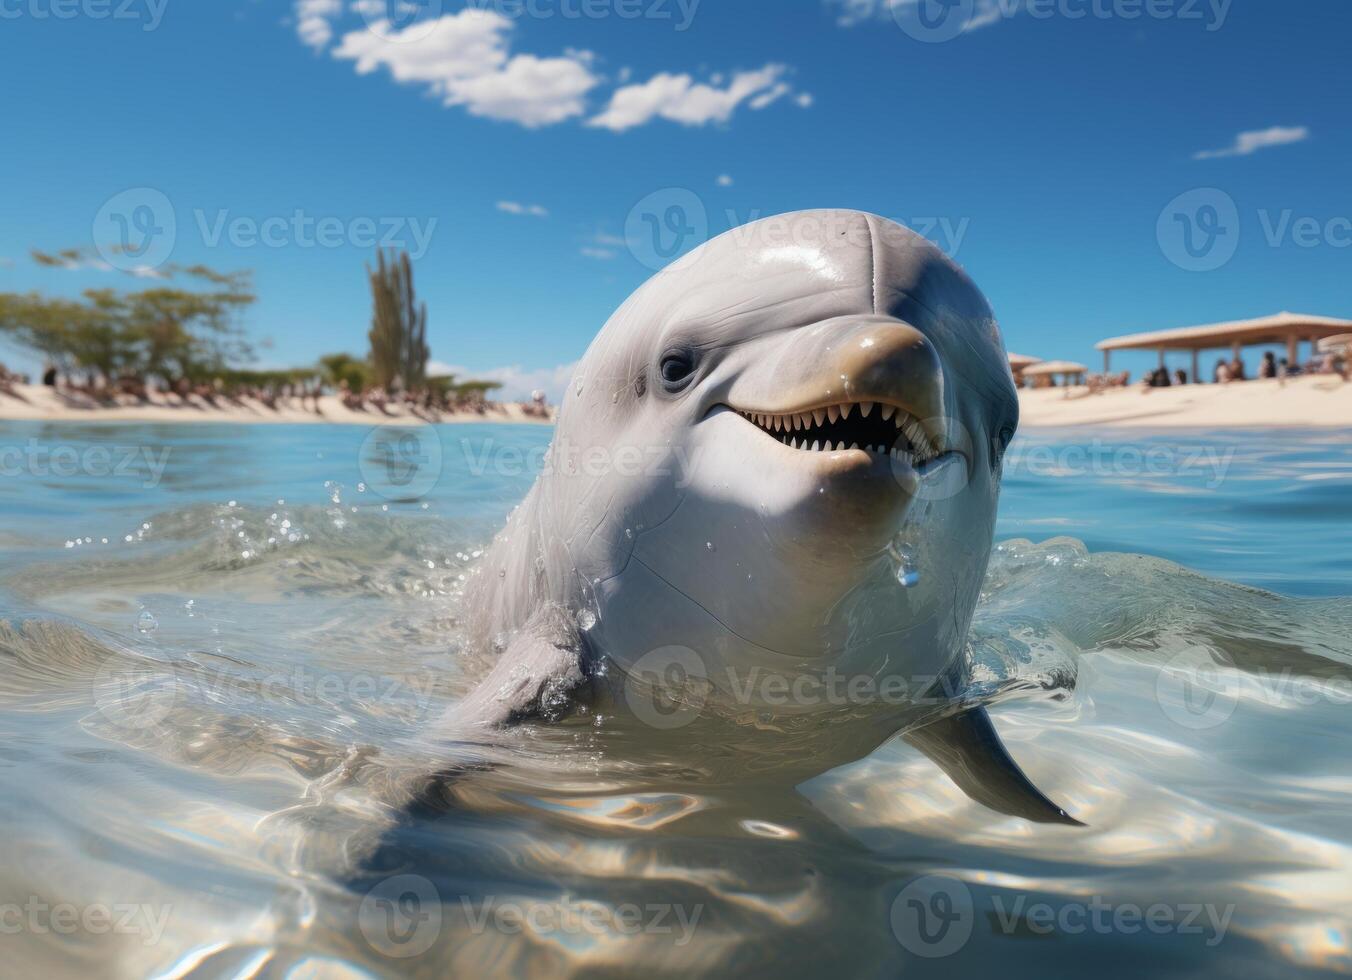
(1264, 330)
(1022, 360)
(1056, 367)
(1341, 341)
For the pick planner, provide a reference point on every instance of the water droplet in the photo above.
(907, 572)
(629, 533)
(147, 623)
(188, 607)
(232, 504)
(361, 488)
(500, 642)
(586, 619)
(709, 545)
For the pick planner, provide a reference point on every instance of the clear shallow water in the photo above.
(204, 731)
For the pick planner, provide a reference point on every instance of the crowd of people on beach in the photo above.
(427, 403)
(1229, 371)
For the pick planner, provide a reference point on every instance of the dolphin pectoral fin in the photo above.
(966, 747)
(534, 676)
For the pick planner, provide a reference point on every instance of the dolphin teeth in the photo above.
(815, 445)
(854, 445)
(805, 420)
(833, 413)
(887, 411)
(846, 409)
(819, 416)
(864, 409)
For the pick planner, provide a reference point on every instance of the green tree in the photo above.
(398, 334)
(339, 368)
(164, 331)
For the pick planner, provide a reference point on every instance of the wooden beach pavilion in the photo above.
(1284, 328)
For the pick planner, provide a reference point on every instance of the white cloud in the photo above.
(517, 382)
(681, 99)
(464, 60)
(592, 252)
(803, 100)
(723, 180)
(1255, 140)
(314, 21)
(513, 207)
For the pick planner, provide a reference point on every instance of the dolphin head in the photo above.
(783, 451)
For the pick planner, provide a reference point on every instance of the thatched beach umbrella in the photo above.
(1017, 364)
(1069, 370)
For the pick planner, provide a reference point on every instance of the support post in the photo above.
(1196, 366)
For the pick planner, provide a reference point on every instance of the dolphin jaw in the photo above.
(876, 428)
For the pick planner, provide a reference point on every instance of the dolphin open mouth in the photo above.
(873, 427)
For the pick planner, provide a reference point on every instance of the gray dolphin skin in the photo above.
(776, 470)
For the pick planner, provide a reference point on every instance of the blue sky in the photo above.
(1042, 146)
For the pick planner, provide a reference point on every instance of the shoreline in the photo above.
(39, 403)
(1308, 402)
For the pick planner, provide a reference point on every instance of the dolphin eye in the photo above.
(677, 368)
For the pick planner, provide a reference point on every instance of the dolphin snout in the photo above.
(886, 360)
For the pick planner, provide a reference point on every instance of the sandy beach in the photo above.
(41, 403)
(1316, 401)
(1310, 401)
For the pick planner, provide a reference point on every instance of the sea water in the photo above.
(217, 640)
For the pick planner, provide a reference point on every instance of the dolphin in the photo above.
(770, 495)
